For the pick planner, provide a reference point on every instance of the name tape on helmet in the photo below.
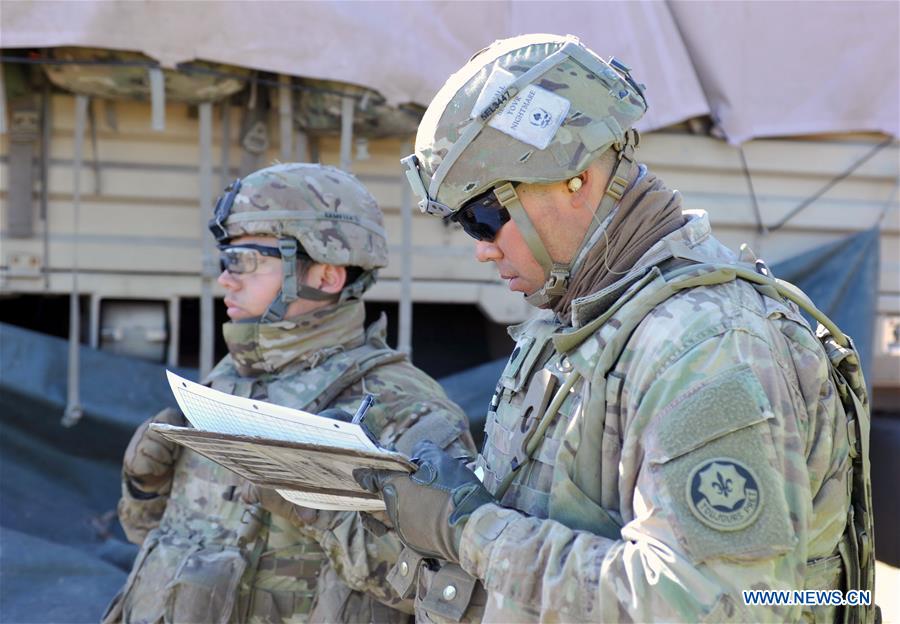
(339, 216)
(533, 116)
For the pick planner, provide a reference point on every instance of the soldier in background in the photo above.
(668, 431)
(300, 244)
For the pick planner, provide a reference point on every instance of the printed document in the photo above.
(307, 458)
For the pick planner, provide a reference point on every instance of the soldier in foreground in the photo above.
(300, 244)
(668, 431)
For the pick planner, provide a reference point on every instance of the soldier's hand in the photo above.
(149, 462)
(275, 503)
(430, 507)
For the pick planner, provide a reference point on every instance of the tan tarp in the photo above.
(404, 50)
(767, 68)
(791, 68)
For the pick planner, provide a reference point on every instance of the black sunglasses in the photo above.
(482, 217)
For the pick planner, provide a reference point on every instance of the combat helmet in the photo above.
(533, 109)
(316, 212)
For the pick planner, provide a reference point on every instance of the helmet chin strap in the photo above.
(557, 274)
(291, 289)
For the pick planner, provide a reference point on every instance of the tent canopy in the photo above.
(760, 69)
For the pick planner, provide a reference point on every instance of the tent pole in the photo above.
(174, 331)
(285, 114)
(225, 152)
(404, 342)
(301, 151)
(74, 410)
(46, 130)
(347, 106)
(157, 99)
(208, 269)
(3, 128)
(94, 322)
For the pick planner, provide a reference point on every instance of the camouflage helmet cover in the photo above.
(330, 213)
(604, 102)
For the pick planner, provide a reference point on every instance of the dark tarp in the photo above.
(62, 552)
(842, 280)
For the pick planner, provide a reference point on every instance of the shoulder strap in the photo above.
(335, 375)
(857, 547)
(363, 360)
(225, 378)
(373, 353)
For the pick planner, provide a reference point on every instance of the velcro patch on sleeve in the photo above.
(716, 470)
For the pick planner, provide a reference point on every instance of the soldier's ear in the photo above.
(586, 194)
(332, 278)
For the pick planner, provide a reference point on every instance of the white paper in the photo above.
(330, 502)
(533, 116)
(212, 410)
(259, 441)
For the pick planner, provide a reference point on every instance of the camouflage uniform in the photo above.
(714, 380)
(208, 557)
(681, 437)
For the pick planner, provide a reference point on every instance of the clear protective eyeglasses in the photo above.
(244, 258)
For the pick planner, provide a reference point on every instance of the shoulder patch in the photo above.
(724, 494)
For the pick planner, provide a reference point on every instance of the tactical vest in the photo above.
(215, 559)
(537, 459)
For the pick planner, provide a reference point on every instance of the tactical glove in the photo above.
(430, 507)
(149, 463)
(275, 503)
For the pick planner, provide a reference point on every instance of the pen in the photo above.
(367, 402)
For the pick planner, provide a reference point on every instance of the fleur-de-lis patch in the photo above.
(724, 494)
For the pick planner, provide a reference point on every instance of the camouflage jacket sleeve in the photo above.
(139, 515)
(719, 444)
(410, 406)
(140, 512)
